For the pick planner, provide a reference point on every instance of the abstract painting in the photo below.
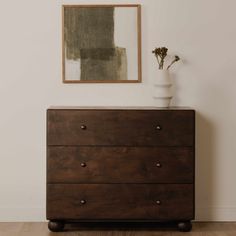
(101, 43)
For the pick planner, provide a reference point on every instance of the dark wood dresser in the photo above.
(120, 164)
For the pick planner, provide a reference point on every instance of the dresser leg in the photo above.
(56, 226)
(185, 226)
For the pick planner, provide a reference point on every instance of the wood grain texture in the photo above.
(108, 229)
(126, 128)
(120, 201)
(120, 108)
(119, 165)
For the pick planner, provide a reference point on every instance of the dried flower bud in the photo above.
(177, 58)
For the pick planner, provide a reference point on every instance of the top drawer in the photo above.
(120, 127)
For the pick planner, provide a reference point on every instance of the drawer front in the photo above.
(121, 128)
(120, 201)
(119, 165)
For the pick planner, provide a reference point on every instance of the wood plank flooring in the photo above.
(40, 229)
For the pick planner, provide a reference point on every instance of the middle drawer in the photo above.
(120, 164)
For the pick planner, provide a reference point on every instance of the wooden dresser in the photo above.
(120, 164)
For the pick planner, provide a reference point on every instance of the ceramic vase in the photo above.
(162, 93)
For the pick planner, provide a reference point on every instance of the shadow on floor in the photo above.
(118, 226)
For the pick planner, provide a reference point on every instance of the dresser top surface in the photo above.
(116, 108)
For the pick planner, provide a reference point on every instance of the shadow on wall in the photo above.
(175, 89)
(205, 171)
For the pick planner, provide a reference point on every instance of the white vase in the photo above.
(162, 93)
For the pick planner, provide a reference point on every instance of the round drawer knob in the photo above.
(158, 202)
(83, 127)
(158, 164)
(83, 164)
(82, 202)
(158, 127)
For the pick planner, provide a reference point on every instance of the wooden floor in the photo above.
(40, 229)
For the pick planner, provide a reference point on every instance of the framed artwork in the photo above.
(101, 43)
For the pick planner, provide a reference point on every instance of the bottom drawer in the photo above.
(120, 201)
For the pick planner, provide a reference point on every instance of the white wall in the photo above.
(202, 32)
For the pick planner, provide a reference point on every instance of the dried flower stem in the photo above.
(158, 61)
(175, 60)
(160, 54)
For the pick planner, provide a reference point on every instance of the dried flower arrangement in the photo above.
(160, 54)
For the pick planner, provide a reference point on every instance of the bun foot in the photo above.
(56, 226)
(185, 226)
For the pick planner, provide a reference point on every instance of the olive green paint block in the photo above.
(97, 53)
(114, 68)
(88, 28)
(89, 37)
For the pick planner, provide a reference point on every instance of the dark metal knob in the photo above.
(158, 202)
(158, 164)
(83, 164)
(82, 202)
(158, 127)
(83, 127)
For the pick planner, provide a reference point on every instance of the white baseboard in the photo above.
(215, 214)
(22, 214)
(37, 214)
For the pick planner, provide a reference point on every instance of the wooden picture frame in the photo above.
(101, 43)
